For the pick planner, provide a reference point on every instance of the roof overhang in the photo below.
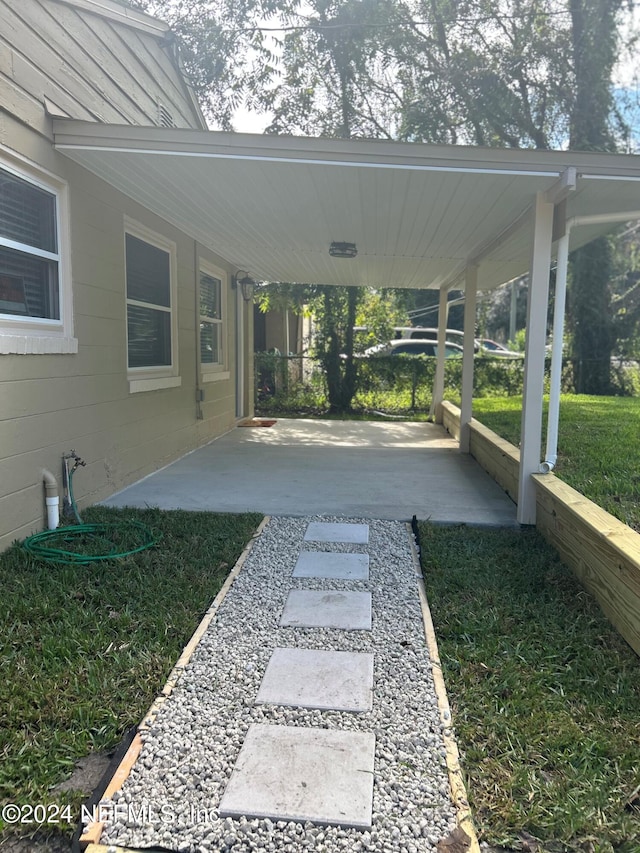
(418, 214)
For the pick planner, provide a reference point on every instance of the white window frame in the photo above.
(41, 335)
(219, 371)
(162, 376)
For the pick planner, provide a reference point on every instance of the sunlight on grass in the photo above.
(598, 447)
(545, 693)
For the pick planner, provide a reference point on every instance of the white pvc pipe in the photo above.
(52, 499)
(551, 455)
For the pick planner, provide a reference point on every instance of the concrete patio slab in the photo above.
(356, 469)
(324, 531)
(317, 678)
(303, 774)
(328, 564)
(309, 608)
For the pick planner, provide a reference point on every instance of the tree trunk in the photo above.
(594, 35)
(591, 318)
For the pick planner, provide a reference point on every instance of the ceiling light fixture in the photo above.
(343, 250)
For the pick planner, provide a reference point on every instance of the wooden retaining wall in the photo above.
(603, 552)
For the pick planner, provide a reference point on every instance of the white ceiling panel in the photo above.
(417, 213)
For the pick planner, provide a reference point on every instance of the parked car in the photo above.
(453, 336)
(415, 346)
(494, 348)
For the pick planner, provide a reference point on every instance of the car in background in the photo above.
(494, 348)
(454, 336)
(414, 346)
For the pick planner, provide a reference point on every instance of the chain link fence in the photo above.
(397, 385)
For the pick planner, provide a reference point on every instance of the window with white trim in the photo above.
(212, 333)
(35, 298)
(150, 261)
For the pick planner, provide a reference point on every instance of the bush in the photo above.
(403, 384)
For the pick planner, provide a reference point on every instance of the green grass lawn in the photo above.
(598, 447)
(86, 649)
(545, 694)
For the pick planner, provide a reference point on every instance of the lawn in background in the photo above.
(545, 694)
(86, 649)
(598, 447)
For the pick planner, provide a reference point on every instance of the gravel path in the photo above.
(171, 797)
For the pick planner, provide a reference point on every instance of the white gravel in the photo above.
(171, 797)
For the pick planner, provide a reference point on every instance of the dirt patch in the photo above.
(87, 773)
(36, 844)
(85, 778)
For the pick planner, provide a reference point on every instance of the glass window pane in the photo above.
(209, 343)
(210, 290)
(149, 337)
(28, 285)
(148, 272)
(27, 213)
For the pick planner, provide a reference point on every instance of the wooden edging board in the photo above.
(89, 840)
(456, 781)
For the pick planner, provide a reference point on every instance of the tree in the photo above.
(594, 36)
(514, 73)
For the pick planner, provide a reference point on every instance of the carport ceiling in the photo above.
(417, 213)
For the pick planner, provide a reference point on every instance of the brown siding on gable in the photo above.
(93, 68)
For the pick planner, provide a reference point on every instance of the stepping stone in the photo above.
(312, 678)
(303, 774)
(324, 531)
(310, 608)
(322, 564)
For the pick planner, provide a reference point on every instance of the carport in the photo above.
(363, 469)
(441, 217)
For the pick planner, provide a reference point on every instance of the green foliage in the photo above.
(85, 650)
(517, 343)
(378, 312)
(544, 692)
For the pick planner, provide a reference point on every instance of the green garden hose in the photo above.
(100, 540)
(43, 545)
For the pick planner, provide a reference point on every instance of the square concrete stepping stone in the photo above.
(310, 608)
(313, 678)
(325, 531)
(323, 564)
(290, 773)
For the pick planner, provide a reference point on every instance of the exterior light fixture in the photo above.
(343, 250)
(247, 285)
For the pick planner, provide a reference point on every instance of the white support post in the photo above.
(553, 417)
(438, 381)
(537, 305)
(466, 405)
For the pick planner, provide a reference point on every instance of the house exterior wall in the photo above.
(87, 400)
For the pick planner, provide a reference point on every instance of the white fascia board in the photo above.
(212, 147)
(325, 151)
(122, 14)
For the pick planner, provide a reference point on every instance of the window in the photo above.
(150, 262)
(35, 310)
(212, 338)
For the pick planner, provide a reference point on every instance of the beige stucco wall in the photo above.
(50, 404)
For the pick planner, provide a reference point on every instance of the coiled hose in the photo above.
(102, 540)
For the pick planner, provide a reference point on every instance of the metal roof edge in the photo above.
(127, 15)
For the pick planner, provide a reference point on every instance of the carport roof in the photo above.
(419, 214)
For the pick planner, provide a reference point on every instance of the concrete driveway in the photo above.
(360, 469)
